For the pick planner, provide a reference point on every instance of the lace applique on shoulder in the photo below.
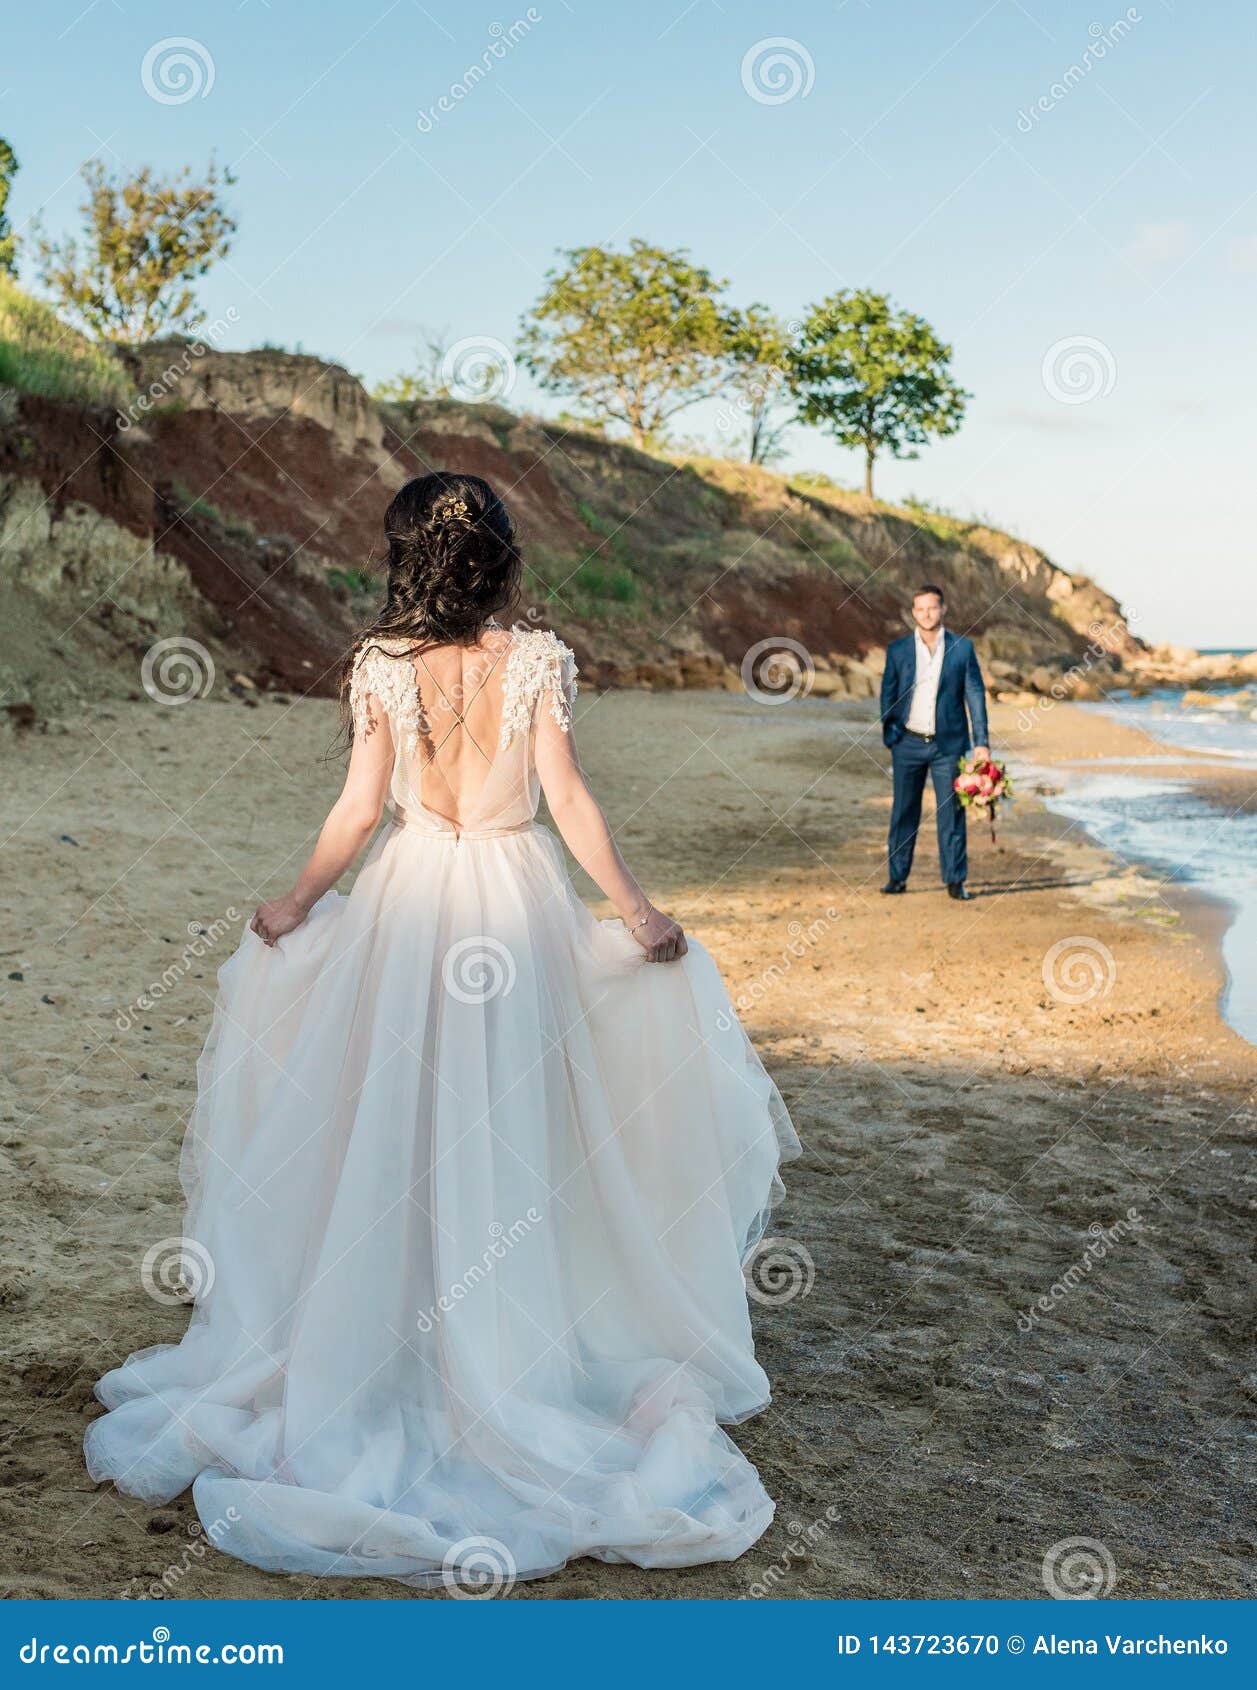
(380, 671)
(539, 662)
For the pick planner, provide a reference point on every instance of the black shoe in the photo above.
(956, 889)
(895, 886)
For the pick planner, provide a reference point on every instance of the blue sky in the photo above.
(1118, 225)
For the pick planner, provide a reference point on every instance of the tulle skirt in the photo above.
(469, 1187)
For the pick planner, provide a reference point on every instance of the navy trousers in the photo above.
(911, 760)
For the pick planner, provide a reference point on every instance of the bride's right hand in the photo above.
(277, 917)
(662, 939)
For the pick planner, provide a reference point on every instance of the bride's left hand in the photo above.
(662, 939)
(272, 920)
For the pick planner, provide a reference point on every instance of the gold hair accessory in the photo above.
(454, 511)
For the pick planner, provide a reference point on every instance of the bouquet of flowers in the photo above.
(983, 785)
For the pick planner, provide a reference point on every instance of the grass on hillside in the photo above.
(591, 587)
(735, 475)
(40, 354)
(352, 583)
(204, 511)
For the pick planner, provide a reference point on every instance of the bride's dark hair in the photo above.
(453, 563)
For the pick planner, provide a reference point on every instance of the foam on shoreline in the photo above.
(1176, 824)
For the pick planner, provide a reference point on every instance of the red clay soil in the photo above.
(238, 500)
(824, 616)
(264, 509)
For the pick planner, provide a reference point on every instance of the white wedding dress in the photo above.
(469, 1188)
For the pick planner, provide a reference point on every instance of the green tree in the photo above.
(633, 336)
(878, 378)
(146, 242)
(759, 350)
(9, 168)
(427, 379)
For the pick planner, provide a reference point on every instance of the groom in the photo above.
(931, 682)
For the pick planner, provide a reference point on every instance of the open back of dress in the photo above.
(472, 1185)
(463, 725)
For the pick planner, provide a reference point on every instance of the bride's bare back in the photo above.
(463, 740)
(461, 694)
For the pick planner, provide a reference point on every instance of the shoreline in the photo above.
(1130, 764)
(971, 1108)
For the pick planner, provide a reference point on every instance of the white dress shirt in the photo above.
(925, 687)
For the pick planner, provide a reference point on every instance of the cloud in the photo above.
(1157, 244)
(1244, 255)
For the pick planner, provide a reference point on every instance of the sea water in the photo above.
(1165, 824)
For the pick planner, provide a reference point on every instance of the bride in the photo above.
(469, 1183)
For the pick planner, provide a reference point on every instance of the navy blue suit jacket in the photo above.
(960, 690)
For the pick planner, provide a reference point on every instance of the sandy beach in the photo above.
(989, 1095)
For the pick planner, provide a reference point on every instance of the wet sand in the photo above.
(979, 1087)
